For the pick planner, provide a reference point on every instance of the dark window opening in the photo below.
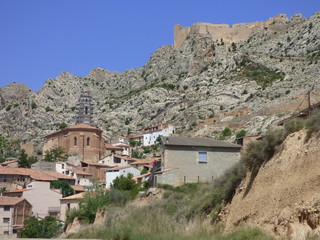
(75, 141)
(88, 141)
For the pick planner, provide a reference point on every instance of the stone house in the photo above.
(187, 160)
(151, 134)
(10, 162)
(45, 201)
(246, 140)
(68, 203)
(115, 172)
(82, 140)
(13, 212)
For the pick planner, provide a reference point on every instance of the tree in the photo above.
(55, 154)
(49, 227)
(123, 183)
(25, 161)
(63, 125)
(66, 189)
(241, 133)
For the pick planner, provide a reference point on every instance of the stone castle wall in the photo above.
(235, 33)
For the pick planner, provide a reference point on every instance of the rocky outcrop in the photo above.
(268, 73)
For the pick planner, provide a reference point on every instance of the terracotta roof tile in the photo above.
(8, 162)
(75, 196)
(84, 126)
(110, 146)
(78, 172)
(58, 175)
(78, 188)
(19, 190)
(9, 201)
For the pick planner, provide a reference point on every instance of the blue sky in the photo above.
(40, 39)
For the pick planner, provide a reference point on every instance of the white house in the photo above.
(115, 172)
(151, 134)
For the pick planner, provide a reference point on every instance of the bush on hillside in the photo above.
(262, 151)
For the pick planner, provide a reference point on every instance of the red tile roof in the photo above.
(83, 126)
(9, 201)
(58, 175)
(110, 146)
(75, 196)
(118, 168)
(33, 173)
(78, 172)
(97, 164)
(8, 162)
(19, 190)
(78, 188)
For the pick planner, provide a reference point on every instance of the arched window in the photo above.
(86, 110)
(75, 141)
(88, 141)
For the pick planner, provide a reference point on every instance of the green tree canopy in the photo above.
(56, 154)
(66, 189)
(46, 228)
(25, 161)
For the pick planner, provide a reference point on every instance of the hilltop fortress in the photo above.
(235, 33)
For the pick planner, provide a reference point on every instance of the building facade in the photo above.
(151, 134)
(82, 140)
(189, 160)
(13, 212)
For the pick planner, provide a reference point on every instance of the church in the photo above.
(83, 139)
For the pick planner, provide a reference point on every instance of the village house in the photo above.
(13, 212)
(113, 173)
(10, 162)
(135, 137)
(187, 160)
(151, 134)
(45, 201)
(68, 203)
(98, 170)
(82, 178)
(246, 140)
(17, 178)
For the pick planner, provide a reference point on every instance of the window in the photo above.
(202, 157)
(75, 141)
(6, 208)
(6, 232)
(86, 110)
(62, 166)
(6, 220)
(88, 141)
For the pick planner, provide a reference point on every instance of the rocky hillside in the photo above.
(201, 87)
(284, 196)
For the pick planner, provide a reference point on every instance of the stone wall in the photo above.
(235, 33)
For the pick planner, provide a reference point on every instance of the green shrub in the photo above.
(48, 109)
(312, 124)
(226, 132)
(33, 105)
(241, 133)
(262, 151)
(66, 189)
(49, 227)
(294, 125)
(8, 108)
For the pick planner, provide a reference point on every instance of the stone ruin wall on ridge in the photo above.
(235, 33)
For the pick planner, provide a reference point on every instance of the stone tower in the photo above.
(85, 108)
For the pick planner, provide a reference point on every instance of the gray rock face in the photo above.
(203, 79)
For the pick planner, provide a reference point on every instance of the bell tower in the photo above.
(85, 108)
